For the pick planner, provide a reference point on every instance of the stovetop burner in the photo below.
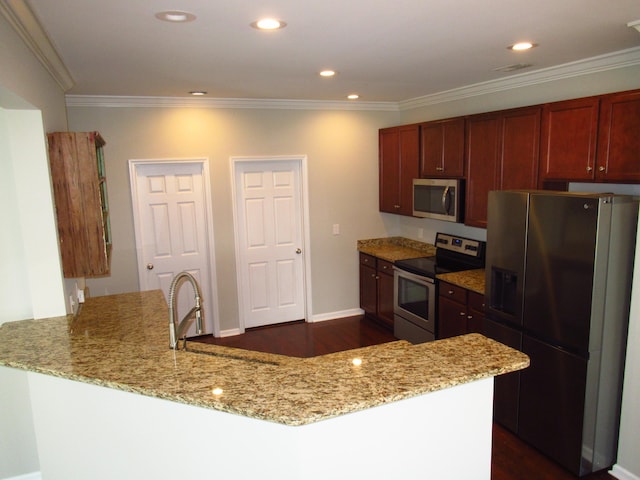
(453, 254)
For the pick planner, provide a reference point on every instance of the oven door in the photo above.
(414, 298)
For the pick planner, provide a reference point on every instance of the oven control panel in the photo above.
(465, 246)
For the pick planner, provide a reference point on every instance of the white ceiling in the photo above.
(385, 50)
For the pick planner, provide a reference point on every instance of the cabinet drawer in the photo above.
(367, 260)
(385, 267)
(453, 292)
(476, 301)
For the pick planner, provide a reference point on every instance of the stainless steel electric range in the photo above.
(416, 287)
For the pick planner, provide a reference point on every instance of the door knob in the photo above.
(149, 266)
(298, 251)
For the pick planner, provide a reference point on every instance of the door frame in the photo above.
(213, 310)
(306, 236)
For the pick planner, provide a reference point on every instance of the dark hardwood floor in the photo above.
(512, 459)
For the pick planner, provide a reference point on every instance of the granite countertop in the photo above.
(470, 279)
(396, 248)
(121, 342)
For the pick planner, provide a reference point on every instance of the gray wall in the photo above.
(342, 150)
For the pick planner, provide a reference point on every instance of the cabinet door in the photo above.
(520, 149)
(482, 156)
(452, 318)
(399, 148)
(569, 135)
(475, 313)
(368, 290)
(389, 169)
(619, 138)
(385, 297)
(409, 159)
(442, 148)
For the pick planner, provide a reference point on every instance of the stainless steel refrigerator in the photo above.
(558, 287)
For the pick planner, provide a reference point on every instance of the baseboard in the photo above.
(622, 473)
(315, 318)
(334, 315)
(230, 333)
(27, 476)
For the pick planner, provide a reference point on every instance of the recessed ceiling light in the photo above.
(327, 73)
(521, 46)
(197, 93)
(175, 16)
(353, 96)
(268, 24)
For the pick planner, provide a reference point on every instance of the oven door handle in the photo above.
(446, 203)
(412, 276)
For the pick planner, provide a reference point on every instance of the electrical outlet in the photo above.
(72, 303)
(80, 295)
(336, 229)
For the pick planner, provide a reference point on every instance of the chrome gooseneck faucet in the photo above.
(176, 332)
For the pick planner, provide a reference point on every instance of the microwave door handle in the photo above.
(446, 204)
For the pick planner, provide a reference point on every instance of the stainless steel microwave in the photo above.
(440, 199)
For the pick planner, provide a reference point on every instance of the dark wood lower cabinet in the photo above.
(376, 289)
(460, 311)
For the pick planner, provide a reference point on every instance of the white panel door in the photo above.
(270, 242)
(171, 232)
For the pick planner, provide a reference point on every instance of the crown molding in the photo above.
(611, 61)
(25, 23)
(199, 102)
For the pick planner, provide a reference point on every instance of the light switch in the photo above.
(336, 229)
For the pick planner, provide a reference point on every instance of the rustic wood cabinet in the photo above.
(502, 150)
(80, 195)
(399, 149)
(442, 148)
(376, 289)
(460, 311)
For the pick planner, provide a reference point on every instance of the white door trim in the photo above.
(213, 310)
(304, 191)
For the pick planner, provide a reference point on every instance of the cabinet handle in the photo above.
(469, 317)
(396, 206)
(439, 169)
(462, 314)
(373, 275)
(601, 168)
(450, 292)
(589, 169)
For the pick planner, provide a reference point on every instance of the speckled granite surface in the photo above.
(121, 342)
(396, 248)
(470, 279)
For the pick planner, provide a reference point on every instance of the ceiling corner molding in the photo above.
(24, 22)
(610, 61)
(199, 102)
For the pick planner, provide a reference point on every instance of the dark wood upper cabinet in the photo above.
(399, 150)
(520, 148)
(569, 136)
(502, 153)
(442, 153)
(483, 155)
(618, 157)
